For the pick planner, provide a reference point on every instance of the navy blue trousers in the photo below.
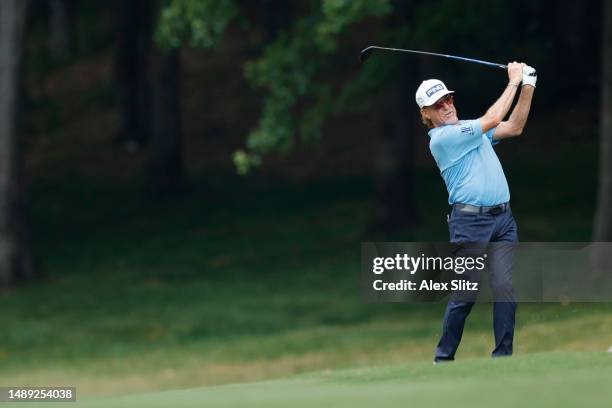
(472, 233)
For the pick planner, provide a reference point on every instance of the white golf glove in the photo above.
(530, 76)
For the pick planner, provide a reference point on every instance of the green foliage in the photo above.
(200, 23)
(294, 69)
(314, 117)
(244, 161)
(296, 103)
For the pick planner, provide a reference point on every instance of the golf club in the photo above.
(366, 52)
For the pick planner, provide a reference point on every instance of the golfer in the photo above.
(479, 195)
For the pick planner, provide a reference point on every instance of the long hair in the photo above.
(427, 122)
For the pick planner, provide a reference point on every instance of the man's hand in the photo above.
(515, 72)
(529, 76)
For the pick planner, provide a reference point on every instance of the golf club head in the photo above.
(365, 54)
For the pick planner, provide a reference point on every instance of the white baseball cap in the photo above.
(430, 91)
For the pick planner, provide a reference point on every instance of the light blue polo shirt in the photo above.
(468, 164)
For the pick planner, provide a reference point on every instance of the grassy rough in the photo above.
(246, 281)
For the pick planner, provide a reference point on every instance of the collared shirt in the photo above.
(468, 164)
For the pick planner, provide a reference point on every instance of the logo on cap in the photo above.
(434, 89)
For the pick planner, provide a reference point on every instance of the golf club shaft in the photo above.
(367, 51)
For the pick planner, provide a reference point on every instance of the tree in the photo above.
(297, 102)
(166, 159)
(148, 74)
(15, 259)
(603, 219)
(199, 23)
(133, 66)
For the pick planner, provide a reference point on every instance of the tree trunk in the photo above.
(166, 162)
(15, 259)
(601, 261)
(133, 65)
(603, 220)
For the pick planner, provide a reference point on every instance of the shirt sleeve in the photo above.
(490, 134)
(455, 141)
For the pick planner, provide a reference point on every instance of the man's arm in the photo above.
(515, 124)
(498, 111)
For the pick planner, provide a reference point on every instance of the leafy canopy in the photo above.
(286, 69)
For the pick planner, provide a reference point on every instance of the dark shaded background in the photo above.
(99, 99)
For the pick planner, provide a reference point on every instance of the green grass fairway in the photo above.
(537, 380)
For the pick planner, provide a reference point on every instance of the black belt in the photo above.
(493, 209)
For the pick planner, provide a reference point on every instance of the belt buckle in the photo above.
(496, 210)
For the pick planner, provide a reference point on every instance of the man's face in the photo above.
(442, 112)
